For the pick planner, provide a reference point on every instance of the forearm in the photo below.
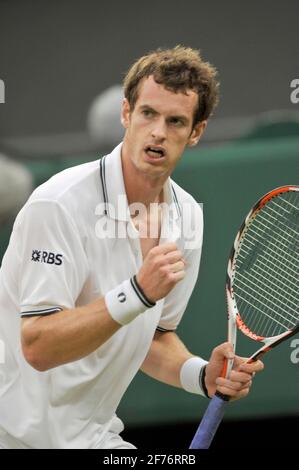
(53, 340)
(165, 358)
(167, 361)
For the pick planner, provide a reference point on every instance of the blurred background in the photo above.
(61, 68)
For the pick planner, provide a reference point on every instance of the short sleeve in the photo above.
(52, 261)
(176, 301)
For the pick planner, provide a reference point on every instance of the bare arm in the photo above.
(53, 340)
(167, 355)
(165, 358)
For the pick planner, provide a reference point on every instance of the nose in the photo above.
(159, 130)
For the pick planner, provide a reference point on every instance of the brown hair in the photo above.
(178, 69)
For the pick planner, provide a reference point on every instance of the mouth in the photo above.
(155, 152)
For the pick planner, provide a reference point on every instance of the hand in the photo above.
(163, 267)
(239, 382)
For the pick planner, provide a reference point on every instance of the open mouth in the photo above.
(155, 152)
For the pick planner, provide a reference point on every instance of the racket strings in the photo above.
(282, 240)
(274, 306)
(266, 278)
(274, 257)
(273, 301)
(271, 290)
(276, 276)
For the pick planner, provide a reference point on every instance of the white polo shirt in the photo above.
(63, 254)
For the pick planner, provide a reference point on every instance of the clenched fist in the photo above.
(163, 267)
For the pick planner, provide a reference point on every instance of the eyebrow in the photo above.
(174, 116)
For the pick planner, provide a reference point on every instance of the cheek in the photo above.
(137, 126)
(181, 139)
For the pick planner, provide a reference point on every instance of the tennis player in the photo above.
(99, 270)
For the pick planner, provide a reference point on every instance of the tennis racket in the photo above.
(262, 287)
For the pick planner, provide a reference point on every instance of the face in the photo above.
(159, 128)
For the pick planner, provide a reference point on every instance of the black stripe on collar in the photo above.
(176, 201)
(103, 181)
(105, 192)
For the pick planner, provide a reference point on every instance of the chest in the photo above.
(149, 227)
(147, 244)
(116, 251)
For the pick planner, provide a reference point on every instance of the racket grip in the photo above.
(210, 422)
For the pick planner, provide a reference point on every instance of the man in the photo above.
(97, 300)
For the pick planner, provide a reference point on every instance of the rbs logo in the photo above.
(46, 257)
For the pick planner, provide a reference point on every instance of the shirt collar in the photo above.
(114, 193)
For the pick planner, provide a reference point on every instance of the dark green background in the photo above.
(227, 180)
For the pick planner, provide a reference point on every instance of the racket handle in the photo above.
(210, 422)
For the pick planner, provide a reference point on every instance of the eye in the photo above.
(176, 121)
(147, 112)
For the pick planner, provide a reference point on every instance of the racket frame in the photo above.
(234, 317)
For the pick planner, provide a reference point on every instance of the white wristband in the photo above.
(126, 301)
(191, 374)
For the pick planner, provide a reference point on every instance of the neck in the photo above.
(139, 186)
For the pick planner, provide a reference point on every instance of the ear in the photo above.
(125, 113)
(197, 133)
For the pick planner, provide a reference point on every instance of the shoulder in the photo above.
(190, 221)
(70, 194)
(77, 190)
(73, 181)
